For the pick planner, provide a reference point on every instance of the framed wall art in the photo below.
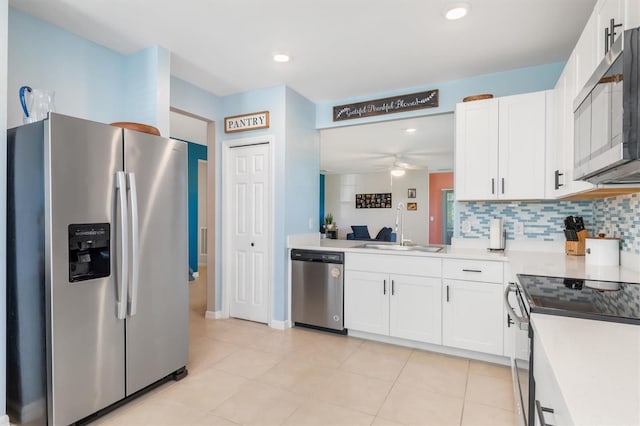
(411, 193)
(373, 201)
(412, 206)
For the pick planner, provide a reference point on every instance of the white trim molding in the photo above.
(227, 145)
(213, 315)
(4, 420)
(280, 325)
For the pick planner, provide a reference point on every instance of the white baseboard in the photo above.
(213, 315)
(4, 420)
(495, 359)
(280, 325)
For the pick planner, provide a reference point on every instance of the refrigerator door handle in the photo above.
(121, 186)
(135, 243)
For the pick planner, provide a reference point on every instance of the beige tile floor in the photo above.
(246, 373)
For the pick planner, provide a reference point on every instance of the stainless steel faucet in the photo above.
(400, 219)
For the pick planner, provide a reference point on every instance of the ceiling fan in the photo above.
(401, 164)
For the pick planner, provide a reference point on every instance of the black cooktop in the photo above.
(599, 300)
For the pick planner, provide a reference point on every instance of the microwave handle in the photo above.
(522, 322)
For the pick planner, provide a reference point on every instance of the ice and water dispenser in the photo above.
(89, 251)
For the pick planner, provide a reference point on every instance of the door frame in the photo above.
(227, 239)
(443, 213)
(206, 166)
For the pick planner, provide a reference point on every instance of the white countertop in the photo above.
(596, 365)
(522, 262)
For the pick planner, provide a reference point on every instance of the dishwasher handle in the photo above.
(319, 256)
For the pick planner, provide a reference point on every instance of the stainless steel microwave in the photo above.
(606, 117)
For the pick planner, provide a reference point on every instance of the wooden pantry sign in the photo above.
(400, 103)
(241, 123)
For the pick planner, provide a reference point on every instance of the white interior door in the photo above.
(249, 240)
(202, 212)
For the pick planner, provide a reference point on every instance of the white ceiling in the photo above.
(373, 147)
(340, 48)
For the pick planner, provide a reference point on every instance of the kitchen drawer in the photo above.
(472, 270)
(394, 264)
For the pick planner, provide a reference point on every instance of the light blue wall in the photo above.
(146, 79)
(504, 83)
(272, 99)
(88, 79)
(189, 98)
(302, 178)
(4, 32)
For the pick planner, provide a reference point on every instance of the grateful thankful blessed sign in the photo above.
(240, 123)
(401, 103)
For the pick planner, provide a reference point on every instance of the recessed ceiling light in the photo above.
(456, 11)
(410, 130)
(281, 57)
(397, 172)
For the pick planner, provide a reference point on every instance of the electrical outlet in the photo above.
(518, 228)
(310, 223)
(466, 226)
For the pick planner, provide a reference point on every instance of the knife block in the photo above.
(576, 248)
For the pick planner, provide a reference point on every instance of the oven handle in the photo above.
(521, 322)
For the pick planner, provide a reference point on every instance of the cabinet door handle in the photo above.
(557, 175)
(472, 270)
(503, 185)
(393, 287)
(447, 293)
(541, 410)
(493, 186)
(384, 287)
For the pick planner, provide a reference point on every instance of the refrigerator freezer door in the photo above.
(86, 338)
(157, 327)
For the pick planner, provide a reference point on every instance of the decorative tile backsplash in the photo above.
(620, 217)
(617, 216)
(541, 220)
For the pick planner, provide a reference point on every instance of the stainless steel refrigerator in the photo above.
(97, 270)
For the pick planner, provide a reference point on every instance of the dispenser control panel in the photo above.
(89, 251)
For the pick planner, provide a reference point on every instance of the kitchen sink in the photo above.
(396, 247)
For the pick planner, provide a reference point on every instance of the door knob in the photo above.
(252, 244)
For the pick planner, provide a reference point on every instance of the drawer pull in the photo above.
(447, 293)
(384, 287)
(541, 410)
(471, 270)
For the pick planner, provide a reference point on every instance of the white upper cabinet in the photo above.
(559, 170)
(605, 11)
(585, 53)
(476, 150)
(500, 148)
(521, 149)
(632, 13)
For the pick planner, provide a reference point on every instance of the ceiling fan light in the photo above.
(397, 172)
(456, 11)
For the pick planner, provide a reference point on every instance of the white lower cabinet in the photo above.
(395, 305)
(472, 316)
(552, 409)
(366, 302)
(451, 302)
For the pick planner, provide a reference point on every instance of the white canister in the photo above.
(602, 251)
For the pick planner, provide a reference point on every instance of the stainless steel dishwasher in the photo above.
(317, 287)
